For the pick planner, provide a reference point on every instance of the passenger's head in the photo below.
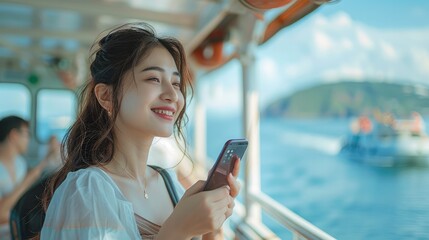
(14, 131)
(137, 80)
(138, 87)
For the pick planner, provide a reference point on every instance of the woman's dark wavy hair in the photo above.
(90, 140)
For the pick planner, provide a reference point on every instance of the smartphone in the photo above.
(224, 164)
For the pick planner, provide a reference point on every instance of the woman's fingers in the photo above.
(234, 186)
(218, 194)
(220, 198)
(236, 169)
(230, 208)
(197, 187)
(221, 205)
(199, 212)
(229, 212)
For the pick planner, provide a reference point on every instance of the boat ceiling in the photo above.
(36, 32)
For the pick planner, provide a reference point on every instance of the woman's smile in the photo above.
(166, 113)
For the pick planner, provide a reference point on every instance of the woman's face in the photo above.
(152, 102)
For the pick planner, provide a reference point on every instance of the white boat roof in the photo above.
(35, 31)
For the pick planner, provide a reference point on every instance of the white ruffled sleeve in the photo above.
(87, 206)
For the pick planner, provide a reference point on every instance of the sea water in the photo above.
(301, 169)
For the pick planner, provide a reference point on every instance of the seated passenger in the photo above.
(106, 189)
(14, 177)
(53, 150)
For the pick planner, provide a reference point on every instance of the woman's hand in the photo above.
(54, 147)
(197, 213)
(234, 187)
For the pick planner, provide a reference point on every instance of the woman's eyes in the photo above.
(154, 79)
(177, 84)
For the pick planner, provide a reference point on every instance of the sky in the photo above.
(376, 40)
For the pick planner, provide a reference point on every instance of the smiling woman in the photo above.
(155, 94)
(137, 92)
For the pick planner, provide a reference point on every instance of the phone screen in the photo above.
(224, 164)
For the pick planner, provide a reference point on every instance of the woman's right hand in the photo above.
(199, 212)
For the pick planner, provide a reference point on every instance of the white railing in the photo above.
(299, 227)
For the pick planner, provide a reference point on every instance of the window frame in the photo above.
(30, 113)
(37, 105)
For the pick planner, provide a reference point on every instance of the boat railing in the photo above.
(298, 226)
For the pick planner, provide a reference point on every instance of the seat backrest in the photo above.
(27, 216)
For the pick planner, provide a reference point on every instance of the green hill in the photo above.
(347, 99)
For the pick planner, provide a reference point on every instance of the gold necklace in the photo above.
(146, 195)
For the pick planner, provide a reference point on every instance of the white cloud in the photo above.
(364, 40)
(320, 21)
(421, 59)
(267, 68)
(337, 47)
(294, 69)
(352, 72)
(388, 51)
(326, 48)
(341, 19)
(346, 44)
(322, 41)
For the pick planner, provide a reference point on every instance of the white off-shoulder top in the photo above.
(89, 205)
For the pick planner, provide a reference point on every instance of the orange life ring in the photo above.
(209, 61)
(266, 4)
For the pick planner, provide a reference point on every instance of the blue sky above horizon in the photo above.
(360, 40)
(385, 14)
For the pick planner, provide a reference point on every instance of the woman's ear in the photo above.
(103, 93)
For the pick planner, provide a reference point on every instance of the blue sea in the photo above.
(301, 169)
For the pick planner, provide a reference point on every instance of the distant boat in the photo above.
(386, 141)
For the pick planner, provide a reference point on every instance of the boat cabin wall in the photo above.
(41, 98)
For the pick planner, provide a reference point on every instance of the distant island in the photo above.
(350, 98)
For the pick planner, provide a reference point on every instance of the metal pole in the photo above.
(200, 144)
(251, 131)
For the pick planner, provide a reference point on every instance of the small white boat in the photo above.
(388, 142)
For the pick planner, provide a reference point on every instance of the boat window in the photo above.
(56, 110)
(15, 100)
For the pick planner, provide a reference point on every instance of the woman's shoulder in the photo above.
(85, 177)
(92, 180)
(88, 189)
(88, 204)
